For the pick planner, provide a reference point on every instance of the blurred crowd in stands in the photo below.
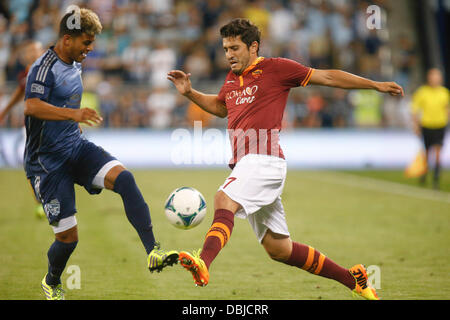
(125, 75)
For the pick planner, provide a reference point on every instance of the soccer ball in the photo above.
(185, 208)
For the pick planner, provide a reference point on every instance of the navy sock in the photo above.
(58, 255)
(136, 209)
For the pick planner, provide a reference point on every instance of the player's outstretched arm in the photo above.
(345, 80)
(37, 108)
(207, 102)
(18, 95)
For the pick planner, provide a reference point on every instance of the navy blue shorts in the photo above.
(56, 190)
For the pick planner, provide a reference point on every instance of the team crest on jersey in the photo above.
(52, 208)
(257, 73)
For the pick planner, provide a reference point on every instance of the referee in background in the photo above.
(430, 106)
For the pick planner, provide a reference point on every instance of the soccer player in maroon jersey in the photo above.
(253, 97)
(31, 50)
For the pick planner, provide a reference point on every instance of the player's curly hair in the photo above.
(87, 22)
(248, 31)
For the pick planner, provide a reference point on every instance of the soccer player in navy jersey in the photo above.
(57, 156)
(253, 98)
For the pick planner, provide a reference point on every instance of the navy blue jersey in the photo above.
(50, 143)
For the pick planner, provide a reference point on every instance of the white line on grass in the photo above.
(350, 180)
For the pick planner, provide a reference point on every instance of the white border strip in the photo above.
(354, 181)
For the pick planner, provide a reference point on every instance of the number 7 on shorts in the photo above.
(231, 180)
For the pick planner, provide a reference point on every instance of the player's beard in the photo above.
(240, 70)
(244, 62)
(237, 72)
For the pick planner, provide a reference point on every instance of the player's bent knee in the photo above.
(222, 201)
(126, 176)
(68, 236)
(114, 170)
(124, 181)
(219, 198)
(278, 247)
(278, 255)
(106, 176)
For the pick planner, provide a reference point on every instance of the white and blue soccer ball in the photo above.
(185, 208)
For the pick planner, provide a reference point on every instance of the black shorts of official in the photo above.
(433, 137)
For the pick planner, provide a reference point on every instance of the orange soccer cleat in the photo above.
(363, 287)
(197, 267)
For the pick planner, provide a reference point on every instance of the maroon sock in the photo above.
(218, 235)
(311, 260)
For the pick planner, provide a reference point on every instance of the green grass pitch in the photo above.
(373, 218)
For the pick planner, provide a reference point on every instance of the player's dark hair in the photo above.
(244, 28)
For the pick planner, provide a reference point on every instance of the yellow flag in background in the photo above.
(418, 167)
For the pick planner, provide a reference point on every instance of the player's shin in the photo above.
(58, 255)
(218, 235)
(311, 260)
(136, 208)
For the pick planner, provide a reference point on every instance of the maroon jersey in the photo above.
(256, 100)
(22, 78)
